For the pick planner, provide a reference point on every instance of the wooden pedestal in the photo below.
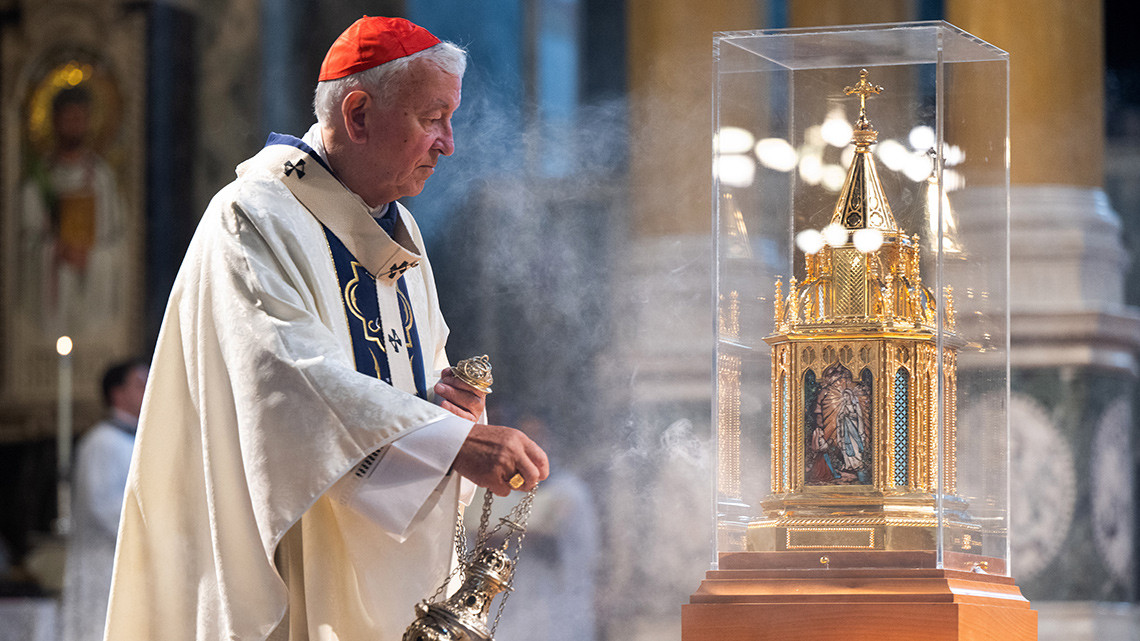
(880, 596)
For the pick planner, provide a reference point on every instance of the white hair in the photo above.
(383, 81)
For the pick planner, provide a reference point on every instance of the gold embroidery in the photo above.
(406, 313)
(372, 329)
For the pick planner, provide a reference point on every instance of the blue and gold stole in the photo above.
(373, 345)
(369, 264)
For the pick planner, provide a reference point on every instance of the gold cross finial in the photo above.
(864, 89)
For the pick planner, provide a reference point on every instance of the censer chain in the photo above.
(464, 557)
(461, 559)
(519, 514)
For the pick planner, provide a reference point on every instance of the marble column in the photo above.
(1074, 339)
(820, 13)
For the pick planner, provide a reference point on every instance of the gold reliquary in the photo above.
(856, 357)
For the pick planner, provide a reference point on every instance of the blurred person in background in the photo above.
(102, 459)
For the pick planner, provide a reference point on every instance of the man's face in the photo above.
(413, 131)
(71, 125)
(129, 396)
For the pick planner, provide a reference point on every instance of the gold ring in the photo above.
(516, 481)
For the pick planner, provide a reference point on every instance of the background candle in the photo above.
(63, 347)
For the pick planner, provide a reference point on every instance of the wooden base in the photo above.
(879, 596)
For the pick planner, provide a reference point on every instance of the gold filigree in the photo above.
(779, 305)
(476, 372)
(864, 88)
(728, 425)
(867, 309)
(830, 545)
(793, 302)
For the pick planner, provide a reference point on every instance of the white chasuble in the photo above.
(285, 374)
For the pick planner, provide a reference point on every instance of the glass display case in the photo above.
(861, 215)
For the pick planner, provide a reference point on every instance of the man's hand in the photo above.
(459, 398)
(492, 454)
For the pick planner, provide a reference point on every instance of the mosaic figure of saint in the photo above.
(72, 225)
(839, 437)
(852, 430)
(821, 469)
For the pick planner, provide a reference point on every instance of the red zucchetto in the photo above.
(372, 41)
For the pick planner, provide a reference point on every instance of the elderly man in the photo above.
(296, 477)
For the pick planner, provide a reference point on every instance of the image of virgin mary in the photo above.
(838, 428)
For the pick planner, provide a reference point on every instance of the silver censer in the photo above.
(463, 617)
(487, 570)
